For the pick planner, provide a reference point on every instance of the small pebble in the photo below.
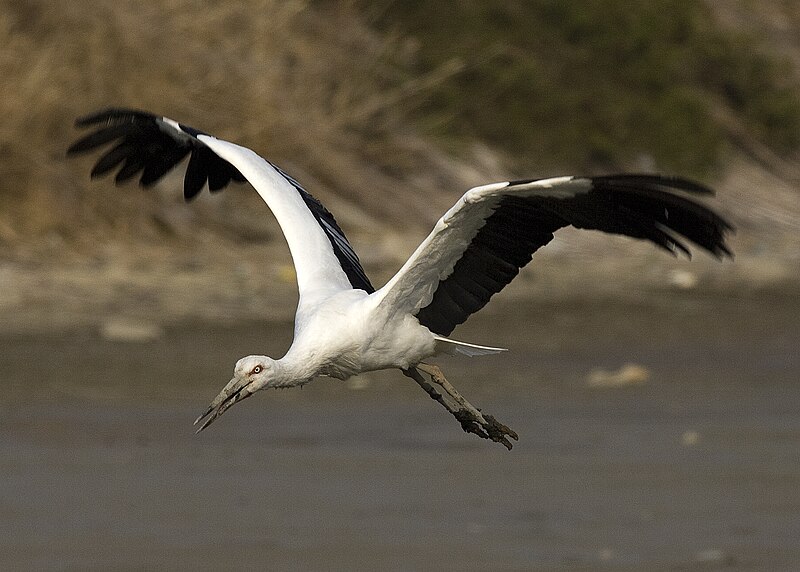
(715, 557)
(358, 382)
(606, 554)
(125, 330)
(683, 279)
(628, 374)
(690, 438)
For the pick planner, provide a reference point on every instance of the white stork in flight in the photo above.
(343, 325)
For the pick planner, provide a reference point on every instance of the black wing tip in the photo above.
(657, 180)
(109, 124)
(677, 248)
(115, 114)
(714, 243)
(77, 148)
(140, 144)
(121, 115)
(720, 249)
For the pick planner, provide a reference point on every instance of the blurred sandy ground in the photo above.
(693, 466)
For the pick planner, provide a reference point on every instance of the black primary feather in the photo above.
(148, 147)
(639, 206)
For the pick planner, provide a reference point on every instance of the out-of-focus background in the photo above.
(657, 399)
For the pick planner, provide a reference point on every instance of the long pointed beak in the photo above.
(234, 392)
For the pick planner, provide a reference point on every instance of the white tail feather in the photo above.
(471, 350)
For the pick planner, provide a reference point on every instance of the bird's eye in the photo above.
(256, 369)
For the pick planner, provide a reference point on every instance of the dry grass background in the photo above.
(315, 88)
(312, 88)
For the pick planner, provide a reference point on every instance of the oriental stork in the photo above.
(343, 325)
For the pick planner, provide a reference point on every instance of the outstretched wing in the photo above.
(151, 146)
(480, 244)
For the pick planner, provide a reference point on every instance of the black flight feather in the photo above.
(147, 144)
(639, 206)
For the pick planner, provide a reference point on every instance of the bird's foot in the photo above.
(490, 428)
(470, 418)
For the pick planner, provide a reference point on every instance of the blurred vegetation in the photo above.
(596, 84)
(274, 75)
(357, 98)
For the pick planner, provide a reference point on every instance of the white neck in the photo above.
(291, 371)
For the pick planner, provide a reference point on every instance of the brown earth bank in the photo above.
(214, 275)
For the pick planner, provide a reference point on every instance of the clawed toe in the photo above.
(498, 432)
(470, 423)
(490, 429)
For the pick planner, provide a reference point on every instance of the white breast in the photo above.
(348, 334)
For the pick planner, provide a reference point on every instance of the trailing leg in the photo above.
(470, 418)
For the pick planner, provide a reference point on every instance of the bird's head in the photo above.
(250, 374)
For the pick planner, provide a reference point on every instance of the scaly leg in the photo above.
(470, 418)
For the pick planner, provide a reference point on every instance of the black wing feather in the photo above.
(98, 138)
(195, 177)
(111, 159)
(146, 144)
(639, 206)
